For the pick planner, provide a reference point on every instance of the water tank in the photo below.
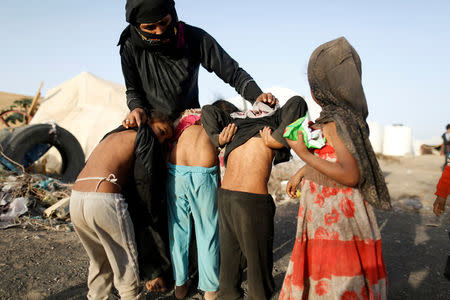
(397, 140)
(376, 136)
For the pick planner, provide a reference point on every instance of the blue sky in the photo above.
(404, 47)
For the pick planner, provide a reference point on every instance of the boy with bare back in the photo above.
(101, 205)
(191, 191)
(246, 209)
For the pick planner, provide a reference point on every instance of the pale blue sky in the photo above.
(404, 47)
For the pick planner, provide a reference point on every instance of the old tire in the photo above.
(26, 137)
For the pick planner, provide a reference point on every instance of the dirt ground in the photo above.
(41, 264)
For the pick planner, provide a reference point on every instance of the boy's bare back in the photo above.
(248, 167)
(194, 149)
(114, 155)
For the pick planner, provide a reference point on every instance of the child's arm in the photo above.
(266, 135)
(215, 121)
(344, 171)
(291, 187)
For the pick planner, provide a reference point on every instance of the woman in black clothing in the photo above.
(161, 58)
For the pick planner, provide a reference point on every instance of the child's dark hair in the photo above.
(448, 126)
(156, 115)
(226, 106)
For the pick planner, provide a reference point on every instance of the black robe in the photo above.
(214, 120)
(146, 198)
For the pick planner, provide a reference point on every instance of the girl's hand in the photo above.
(227, 134)
(299, 145)
(439, 205)
(291, 187)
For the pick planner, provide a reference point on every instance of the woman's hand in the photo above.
(439, 205)
(227, 134)
(291, 187)
(267, 98)
(135, 118)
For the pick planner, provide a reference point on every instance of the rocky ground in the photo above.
(40, 263)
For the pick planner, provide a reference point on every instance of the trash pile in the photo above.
(33, 200)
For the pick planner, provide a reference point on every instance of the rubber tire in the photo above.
(24, 138)
(5, 135)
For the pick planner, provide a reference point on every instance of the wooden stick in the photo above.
(34, 103)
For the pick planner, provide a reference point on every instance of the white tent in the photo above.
(85, 105)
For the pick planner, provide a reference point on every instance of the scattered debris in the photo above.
(41, 201)
(411, 203)
(13, 210)
(60, 209)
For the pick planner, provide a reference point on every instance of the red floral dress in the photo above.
(337, 251)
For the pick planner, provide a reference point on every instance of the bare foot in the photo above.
(182, 290)
(211, 295)
(156, 285)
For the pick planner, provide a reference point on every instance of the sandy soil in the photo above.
(43, 264)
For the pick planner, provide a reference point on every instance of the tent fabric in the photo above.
(86, 106)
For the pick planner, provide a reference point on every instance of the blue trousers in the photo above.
(193, 191)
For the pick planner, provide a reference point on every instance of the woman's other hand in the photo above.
(267, 98)
(135, 118)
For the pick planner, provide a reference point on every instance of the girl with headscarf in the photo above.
(337, 252)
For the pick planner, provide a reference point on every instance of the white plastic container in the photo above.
(397, 140)
(376, 136)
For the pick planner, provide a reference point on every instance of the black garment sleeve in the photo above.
(295, 108)
(214, 120)
(135, 95)
(214, 59)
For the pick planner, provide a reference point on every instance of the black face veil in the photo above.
(149, 11)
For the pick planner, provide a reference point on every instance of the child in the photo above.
(337, 253)
(191, 191)
(442, 192)
(246, 209)
(442, 189)
(99, 210)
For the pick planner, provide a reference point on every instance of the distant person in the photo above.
(337, 251)
(446, 145)
(246, 209)
(160, 62)
(442, 190)
(101, 204)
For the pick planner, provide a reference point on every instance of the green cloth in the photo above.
(313, 139)
(291, 131)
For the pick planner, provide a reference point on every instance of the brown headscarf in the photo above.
(334, 74)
